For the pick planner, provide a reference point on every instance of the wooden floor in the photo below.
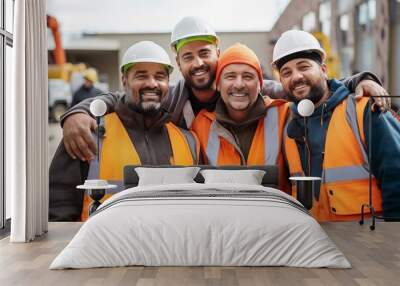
(374, 255)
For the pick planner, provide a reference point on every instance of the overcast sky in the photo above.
(130, 16)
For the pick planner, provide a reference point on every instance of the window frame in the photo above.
(6, 39)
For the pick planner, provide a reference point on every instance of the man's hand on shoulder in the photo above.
(371, 88)
(77, 136)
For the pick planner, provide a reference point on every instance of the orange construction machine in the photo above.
(63, 76)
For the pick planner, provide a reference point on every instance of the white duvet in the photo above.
(201, 224)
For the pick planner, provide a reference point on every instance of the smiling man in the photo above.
(245, 128)
(338, 138)
(239, 88)
(197, 61)
(138, 132)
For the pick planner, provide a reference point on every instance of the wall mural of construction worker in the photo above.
(196, 46)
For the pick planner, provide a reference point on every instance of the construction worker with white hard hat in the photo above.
(338, 139)
(196, 46)
(138, 132)
(190, 29)
(294, 41)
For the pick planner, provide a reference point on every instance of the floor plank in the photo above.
(374, 255)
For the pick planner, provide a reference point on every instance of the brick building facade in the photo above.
(363, 34)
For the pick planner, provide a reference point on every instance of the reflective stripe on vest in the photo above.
(213, 145)
(351, 117)
(271, 136)
(192, 144)
(345, 174)
(188, 114)
(271, 139)
(356, 172)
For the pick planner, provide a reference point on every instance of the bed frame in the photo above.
(270, 179)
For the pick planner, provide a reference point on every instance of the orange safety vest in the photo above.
(219, 146)
(117, 151)
(345, 174)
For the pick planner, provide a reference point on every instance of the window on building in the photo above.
(366, 13)
(6, 44)
(308, 22)
(364, 37)
(325, 17)
(344, 26)
(344, 6)
(371, 9)
(363, 14)
(345, 45)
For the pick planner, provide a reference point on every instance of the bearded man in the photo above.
(138, 132)
(338, 138)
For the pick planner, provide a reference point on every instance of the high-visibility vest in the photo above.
(219, 146)
(116, 151)
(345, 174)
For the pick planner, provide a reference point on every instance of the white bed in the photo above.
(201, 224)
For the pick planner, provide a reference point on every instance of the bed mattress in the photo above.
(201, 225)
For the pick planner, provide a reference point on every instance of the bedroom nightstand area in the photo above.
(375, 259)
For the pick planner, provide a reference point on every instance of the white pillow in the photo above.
(248, 177)
(163, 176)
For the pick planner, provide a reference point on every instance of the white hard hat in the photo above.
(146, 52)
(294, 41)
(190, 27)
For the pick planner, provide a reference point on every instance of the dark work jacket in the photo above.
(152, 145)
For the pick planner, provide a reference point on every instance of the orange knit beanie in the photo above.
(239, 54)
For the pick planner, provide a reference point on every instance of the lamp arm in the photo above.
(98, 137)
